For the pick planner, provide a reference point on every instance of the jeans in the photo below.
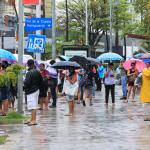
(112, 89)
(124, 85)
(53, 91)
(93, 88)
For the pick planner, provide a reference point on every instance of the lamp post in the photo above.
(67, 26)
(53, 29)
(110, 30)
(86, 23)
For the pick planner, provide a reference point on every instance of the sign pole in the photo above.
(20, 56)
(53, 29)
(38, 15)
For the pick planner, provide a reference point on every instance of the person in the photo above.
(94, 70)
(4, 91)
(109, 82)
(32, 86)
(131, 74)
(61, 77)
(71, 90)
(80, 90)
(89, 77)
(144, 93)
(52, 83)
(123, 74)
(44, 89)
(100, 71)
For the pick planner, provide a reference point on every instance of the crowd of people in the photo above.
(40, 85)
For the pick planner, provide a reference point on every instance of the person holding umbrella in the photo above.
(71, 90)
(109, 82)
(131, 74)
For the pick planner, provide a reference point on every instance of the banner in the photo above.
(30, 2)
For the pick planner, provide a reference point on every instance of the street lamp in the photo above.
(67, 27)
(86, 22)
(110, 30)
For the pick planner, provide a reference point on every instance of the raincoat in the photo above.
(145, 92)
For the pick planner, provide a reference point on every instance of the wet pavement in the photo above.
(119, 127)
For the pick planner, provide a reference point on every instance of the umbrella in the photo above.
(140, 65)
(146, 60)
(65, 65)
(7, 56)
(109, 57)
(25, 58)
(63, 58)
(82, 61)
(93, 61)
(139, 56)
(146, 55)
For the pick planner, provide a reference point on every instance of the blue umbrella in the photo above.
(139, 56)
(109, 57)
(146, 60)
(65, 65)
(7, 56)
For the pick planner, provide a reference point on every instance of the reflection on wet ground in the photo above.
(119, 127)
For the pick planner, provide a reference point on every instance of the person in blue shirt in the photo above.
(100, 71)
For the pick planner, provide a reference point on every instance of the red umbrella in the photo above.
(140, 65)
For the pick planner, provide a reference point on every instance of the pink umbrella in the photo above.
(140, 65)
(146, 55)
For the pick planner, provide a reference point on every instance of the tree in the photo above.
(122, 18)
(98, 18)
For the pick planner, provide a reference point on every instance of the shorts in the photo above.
(32, 100)
(69, 98)
(4, 93)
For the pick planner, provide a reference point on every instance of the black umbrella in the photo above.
(82, 61)
(93, 61)
(66, 65)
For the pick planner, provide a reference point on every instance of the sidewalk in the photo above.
(96, 127)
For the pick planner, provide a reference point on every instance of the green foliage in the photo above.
(14, 115)
(3, 139)
(10, 76)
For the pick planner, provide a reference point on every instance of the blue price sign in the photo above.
(33, 24)
(36, 43)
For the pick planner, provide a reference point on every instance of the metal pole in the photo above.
(2, 41)
(86, 23)
(20, 56)
(38, 15)
(110, 11)
(53, 29)
(67, 26)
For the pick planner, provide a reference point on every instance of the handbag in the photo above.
(71, 89)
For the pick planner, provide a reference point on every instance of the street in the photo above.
(119, 127)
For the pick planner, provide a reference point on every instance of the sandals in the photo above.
(126, 101)
(32, 124)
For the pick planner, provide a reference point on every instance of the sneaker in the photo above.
(84, 104)
(52, 106)
(123, 98)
